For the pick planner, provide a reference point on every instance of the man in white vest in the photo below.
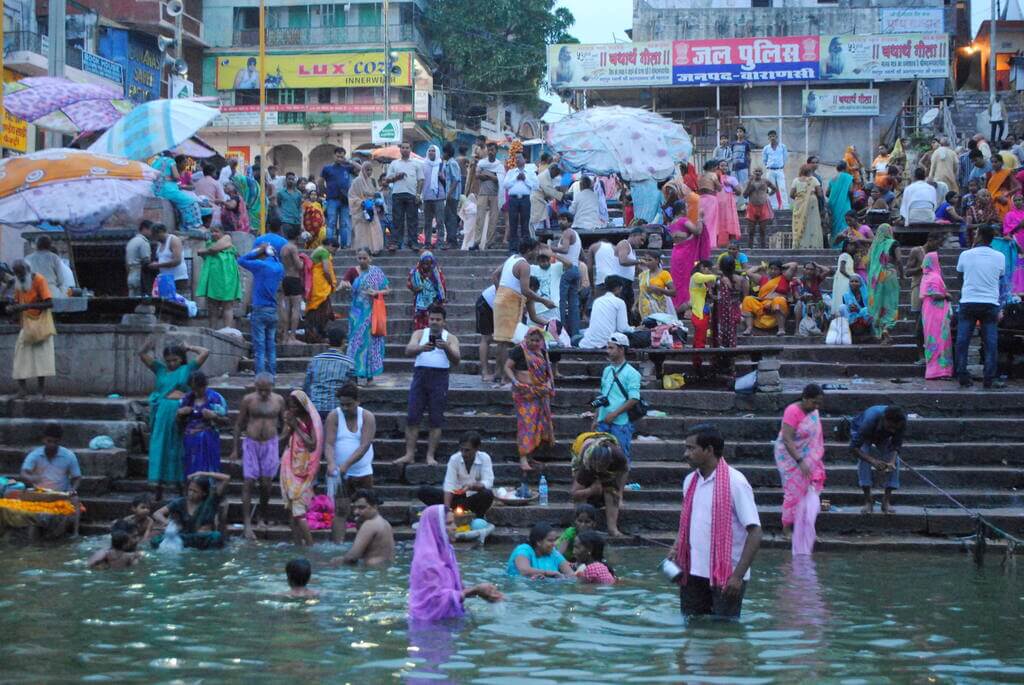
(436, 351)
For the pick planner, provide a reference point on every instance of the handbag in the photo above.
(37, 329)
(379, 317)
(638, 410)
(839, 332)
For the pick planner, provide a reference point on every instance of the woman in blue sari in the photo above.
(840, 190)
(366, 349)
(855, 307)
(202, 412)
(166, 187)
(426, 281)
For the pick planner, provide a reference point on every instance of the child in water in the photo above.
(586, 519)
(299, 571)
(141, 517)
(589, 553)
(119, 555)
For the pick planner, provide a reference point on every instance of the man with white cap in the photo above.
(620, 392)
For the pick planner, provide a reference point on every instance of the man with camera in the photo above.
(620, 393)
(436, 351)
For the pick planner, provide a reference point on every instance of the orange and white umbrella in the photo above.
(390, 154)
(74, 188)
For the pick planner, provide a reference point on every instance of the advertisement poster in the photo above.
(322, 70)
(239, 152)
(835, 102)
(741, 60)
(911, 20)
(243, 119)
(895, 57)
(15, 132)
(611, 65)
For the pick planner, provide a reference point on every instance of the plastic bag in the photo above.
(673, 381)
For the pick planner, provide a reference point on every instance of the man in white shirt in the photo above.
(228, 172)
(607, 316)
(548, 272)
(919, 200)
(518, 184)
(547, 189)
(585, 208)
(405, 176)
(775, 155)
(996, 119)
(468, 480)
(982, 268)
(699, 592)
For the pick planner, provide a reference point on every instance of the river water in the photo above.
(218, 617)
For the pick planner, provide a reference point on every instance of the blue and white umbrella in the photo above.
(153, 127)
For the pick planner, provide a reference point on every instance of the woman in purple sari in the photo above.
(690, 244)
(202, 413)
(435, 585)
(799, 456)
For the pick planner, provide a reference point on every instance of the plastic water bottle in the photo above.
(542, 489)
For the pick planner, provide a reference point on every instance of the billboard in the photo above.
(610, 65)
(320, 70)
(835, 102)
(911, 20)
(744, 60)
(894, 57)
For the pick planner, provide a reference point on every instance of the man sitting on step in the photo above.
(53, 467)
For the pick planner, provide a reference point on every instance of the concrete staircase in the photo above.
(966, 441)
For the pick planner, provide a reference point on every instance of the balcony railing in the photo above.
(330, 35)
(24, 41)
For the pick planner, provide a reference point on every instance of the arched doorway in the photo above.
(321, 156)
(286, 158)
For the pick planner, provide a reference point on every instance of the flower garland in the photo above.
(61, 507)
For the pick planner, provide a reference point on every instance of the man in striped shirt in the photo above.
(329, 370)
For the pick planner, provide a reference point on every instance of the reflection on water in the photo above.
(220, 616)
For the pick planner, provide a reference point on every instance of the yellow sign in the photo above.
(15, 132)
(320, 70)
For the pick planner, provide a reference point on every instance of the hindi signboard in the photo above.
(15, 131)
(745, 60)
(610, 65)
(893, 57)
(834, 102)
(929, 20)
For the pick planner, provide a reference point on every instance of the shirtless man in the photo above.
(292, 285)
(375, 543)
(260, 415)
(120, 554)
(759, 212)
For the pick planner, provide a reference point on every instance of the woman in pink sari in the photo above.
(935, 313)
(435, 584)
(690, 244)
(728, 219)
(1013, 227)
(799, 456)
(304, 436)
(708, 187)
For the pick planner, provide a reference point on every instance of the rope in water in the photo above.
(974, 514)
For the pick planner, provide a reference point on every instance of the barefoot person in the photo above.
(375, 542)
(348, 446)
(719, 530)
(599, 472)
(258, 417)
(876, 436)
(299, 571)
(53, 467)
(33, 350)
(121, 553)
(437, 352)
(292, 285)
(303, 438)
(799, 456)
(533, 385)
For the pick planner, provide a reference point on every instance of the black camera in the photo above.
(599, 401)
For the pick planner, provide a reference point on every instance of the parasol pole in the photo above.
(263, 115)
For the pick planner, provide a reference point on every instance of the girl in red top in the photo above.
(589, 552)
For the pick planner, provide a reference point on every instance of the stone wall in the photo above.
(99, 359)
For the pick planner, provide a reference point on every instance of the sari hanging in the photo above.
(935, 313)
(796, 486)
(533, 403)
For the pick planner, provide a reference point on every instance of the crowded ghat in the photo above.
(473, 405)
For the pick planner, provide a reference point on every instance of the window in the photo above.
(247, 97)
(247, 19)
(760, 3)
(369, 15)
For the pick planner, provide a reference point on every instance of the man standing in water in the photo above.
(348, 448)
(719, 518)
(375, 542)
(259, 416)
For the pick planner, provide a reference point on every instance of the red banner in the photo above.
(346, 108)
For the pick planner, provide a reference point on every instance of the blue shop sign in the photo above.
(138, 56)
(103, 67)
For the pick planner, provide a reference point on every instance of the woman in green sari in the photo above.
(840, 189)
(165, 440)
(249, 190)
(884, 274)
(219, 282)
(367, 283)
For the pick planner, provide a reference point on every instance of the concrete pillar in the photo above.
(346, 141)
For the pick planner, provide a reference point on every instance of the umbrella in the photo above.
(637, 144)
(75, 188)
(390, 153)
(153, 127)
(57, 104)
(195, 147)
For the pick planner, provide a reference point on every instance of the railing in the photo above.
(328, 35)
(23, 41)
